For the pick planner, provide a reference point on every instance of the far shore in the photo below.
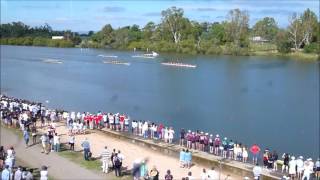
(299, 56)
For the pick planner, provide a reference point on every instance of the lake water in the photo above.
(266, 100)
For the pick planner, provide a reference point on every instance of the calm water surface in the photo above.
(267, 100)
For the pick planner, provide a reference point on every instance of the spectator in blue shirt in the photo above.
(86, 148)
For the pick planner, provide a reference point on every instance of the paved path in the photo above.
(59, 167)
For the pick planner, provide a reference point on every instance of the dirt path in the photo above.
(59, 167)
(132, 152)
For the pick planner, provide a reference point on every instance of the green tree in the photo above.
(301, 28)
(266, 28)
(172, 20)
(237, 27)
(283, 43)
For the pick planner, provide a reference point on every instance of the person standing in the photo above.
(182, 137)
(105, 158)
(285, 166)
(292, 167)
(18, 174)
(120, 156)
(308, 169)
(300, 167)
(34, 134)
(56, 142)
(144, 169)
(317, 168)
(86, 148)
(72, 140)
(117, 165)
(44, 142)
(188, 158)
(26, 137)
(255, 150)
(5, 174)
(182, 160)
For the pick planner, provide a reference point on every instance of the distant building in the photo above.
(57, 37)
(258, 39)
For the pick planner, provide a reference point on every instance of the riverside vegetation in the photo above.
(176, 33)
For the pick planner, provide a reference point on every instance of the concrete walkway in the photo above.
(59, 167)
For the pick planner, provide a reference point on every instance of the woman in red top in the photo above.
(255, 149)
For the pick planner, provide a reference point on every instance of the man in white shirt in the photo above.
(257, 171)
(18, 174)
(300, 167)
(120, 156)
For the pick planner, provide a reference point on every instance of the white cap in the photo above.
(300, 157)
(211, 135)
(293, 158)
(207, 134)
(217, 135)
(309, 159)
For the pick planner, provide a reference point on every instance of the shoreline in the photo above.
(296, 56)
(203, 156)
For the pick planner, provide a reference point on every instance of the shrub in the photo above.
(312, 48)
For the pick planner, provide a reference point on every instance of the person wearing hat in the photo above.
(308, 169)
(154, 174)
(300, 167)
(292, 167)
(225, 145)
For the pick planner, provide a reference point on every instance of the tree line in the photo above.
(176, 33)
(17, 33)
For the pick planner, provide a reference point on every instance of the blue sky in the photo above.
(81, 15)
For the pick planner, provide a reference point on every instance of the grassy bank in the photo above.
(75, 156)
(254, 49)
(293, 55)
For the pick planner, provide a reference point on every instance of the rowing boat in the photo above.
(53, 61)
(116, 62)
(179, 65)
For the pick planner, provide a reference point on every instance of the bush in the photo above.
(311, 48)
(283, 44)
(214, 50)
